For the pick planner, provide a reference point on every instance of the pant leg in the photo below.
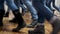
(53, 2)
(11, 4)
(43, 11)
(31, 8)
(48, 4)
(22, 5)
(17, 2)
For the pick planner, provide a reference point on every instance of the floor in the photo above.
(27, 18)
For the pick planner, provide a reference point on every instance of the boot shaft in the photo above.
(18, 16)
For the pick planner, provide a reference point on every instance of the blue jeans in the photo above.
(31, 8)
(43, 11)
(11, 4)
(48, 3)
(18, 4)
(22, 6)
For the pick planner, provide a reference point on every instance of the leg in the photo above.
(48, 4)
(32, 11)
(54, 20)
(18, 4)
(47, 14)
(17, 15)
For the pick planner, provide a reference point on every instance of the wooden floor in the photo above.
(27, 18)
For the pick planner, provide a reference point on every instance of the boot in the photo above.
(14, 20)
(20, 21)
(19, 27)
(56, 26)
(39, 29)
(32, 25)
(6, 15)
(1, 18)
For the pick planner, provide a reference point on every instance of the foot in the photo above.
(56, 26)
(19, 28)
(39, 29)
(55, 22)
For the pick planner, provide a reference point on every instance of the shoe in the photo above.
(18, 28)
(20, 21)
(56, 26)
(39, 29)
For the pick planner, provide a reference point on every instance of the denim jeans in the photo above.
(22, 6)
(18, 4)
(31, 8)
(43, 11)
(11, 4)
(48, 3)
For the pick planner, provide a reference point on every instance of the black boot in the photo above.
(39, 29)
(7, 14)
(1, 18)
(32, 25)
(56, 26)
(20, 21)
(14, 20)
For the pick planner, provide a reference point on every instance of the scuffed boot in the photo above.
(39, 29)
(20, 21)
(55, 22)
(56, 26)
